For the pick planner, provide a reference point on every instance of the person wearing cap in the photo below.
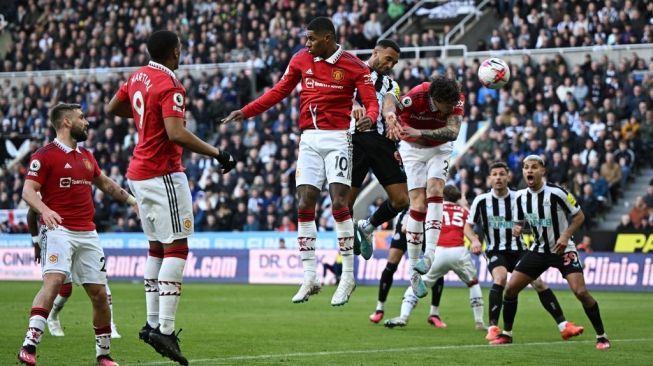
(553, 216)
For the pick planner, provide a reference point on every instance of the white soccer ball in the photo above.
(493, 73)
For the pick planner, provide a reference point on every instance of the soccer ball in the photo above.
(494, 73)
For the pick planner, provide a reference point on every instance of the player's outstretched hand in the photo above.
(234, 116)
(410, 132)
(227, 162)
(51, 219)
(357, 111)
(363, 124)
(476, 247)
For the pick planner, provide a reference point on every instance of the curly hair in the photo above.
(444, 90)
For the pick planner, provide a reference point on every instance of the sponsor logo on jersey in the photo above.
(65, 182)
(53, 258)
(310, 83)
(88, 164)
(35, 165)
(407, 101)
(338, 74)
(67, 166)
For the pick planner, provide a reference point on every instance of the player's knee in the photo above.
(400, 203)
(539, 285)
(510, 292)
(390, 268)
(582, 294)
(98, 295)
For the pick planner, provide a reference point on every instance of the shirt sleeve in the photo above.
(570, 202)
(173, 102)
(407, 102)
(284, 87)
(38, 167)
(367, 95)
(123, 93)
(473, 209)
(96, 168)
(396, 89)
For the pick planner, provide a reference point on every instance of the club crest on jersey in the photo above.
(338, 74)
(53, 258)
(188, 224)
(35, 165)
(88, 164)
(407, 102)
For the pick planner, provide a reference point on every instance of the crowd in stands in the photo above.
(591, 121)
(561, 23)
(107, 33)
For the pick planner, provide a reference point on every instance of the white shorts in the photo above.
(324, 154)
(165, 206)
(455, 259)
(76, 254)
(425, 162)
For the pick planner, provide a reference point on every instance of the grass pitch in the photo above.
(258, 325)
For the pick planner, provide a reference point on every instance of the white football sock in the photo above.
(34, 331)
(102, 341)
(435, 310)
(414, 238)
(380, 306)
(433, 225)
(476, 301)
(170, 277)
(57, 306)
(306, 233)
(151, 275)
(345, 235)
(408, 303)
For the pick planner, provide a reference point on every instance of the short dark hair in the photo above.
(58, 111)
(444, 90)
(451, 193)
(499, 164)
(388, 43)
(161, 44)
(322, 25)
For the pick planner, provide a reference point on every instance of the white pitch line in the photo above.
(365, 351)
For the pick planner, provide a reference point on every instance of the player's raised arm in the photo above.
(120, 106)
(178, 134)
(471, 235)
(367, 93)
(284, 87)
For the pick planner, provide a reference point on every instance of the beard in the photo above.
(79, 134)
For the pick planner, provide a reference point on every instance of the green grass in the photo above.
(258, 325)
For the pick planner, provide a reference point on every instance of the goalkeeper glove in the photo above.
(227, 162)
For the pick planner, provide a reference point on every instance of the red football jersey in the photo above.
(417, 110)
(454, 218)
(327, 92)
(154, 94)
(66, 176)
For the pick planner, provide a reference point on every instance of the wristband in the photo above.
(131, 200)
(36, 240)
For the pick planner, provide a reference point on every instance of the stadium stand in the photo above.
(578, 116)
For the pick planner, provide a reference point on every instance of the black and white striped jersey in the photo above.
(495, 215)
(383, 84)
(548, 212)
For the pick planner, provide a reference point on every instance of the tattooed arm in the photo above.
(446, 133)
(110, 187)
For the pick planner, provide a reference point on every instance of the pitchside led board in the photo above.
(255, 257)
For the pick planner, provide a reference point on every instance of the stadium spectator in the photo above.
(638, 212)
(611, 171)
